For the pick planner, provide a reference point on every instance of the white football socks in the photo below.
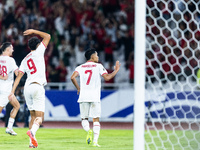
(85, 124)
(30, 141)
(34, 128)
(10, 123)
(96, 130)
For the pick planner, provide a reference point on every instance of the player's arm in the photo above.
(74, 81)
(46, 37)
(17, 80)
(107, 77)
(4, 77)
(16, 72)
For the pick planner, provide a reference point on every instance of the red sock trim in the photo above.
(37, 124)
(97, 125)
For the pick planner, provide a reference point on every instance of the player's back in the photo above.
(7, 67)
(90, 81)
(34, 65)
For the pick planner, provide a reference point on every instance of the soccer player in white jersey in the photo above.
(90, 88)
(7, 69)
(34, 65)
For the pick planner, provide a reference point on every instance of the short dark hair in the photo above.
(33, 42)
(89, 52)
(4, 46)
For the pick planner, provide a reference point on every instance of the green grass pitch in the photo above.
(74, 139)
(67, 139)
(173, 140)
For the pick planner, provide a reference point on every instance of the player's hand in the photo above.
(28, 32)
(5, 77)
(78, 91)
(10, 97)
(117, 66)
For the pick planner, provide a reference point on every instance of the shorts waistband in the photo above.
(35, 83)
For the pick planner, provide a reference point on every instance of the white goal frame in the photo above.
(139, 86)
(166, 88)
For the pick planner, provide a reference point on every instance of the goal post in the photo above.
(139, 86)
(167, 75)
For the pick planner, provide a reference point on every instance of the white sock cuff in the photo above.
(36, 124)
(85, 122)
(10, 123)
(11, 119)
(85, 125)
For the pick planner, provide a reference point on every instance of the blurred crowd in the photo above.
(107, 25)
(75, 26)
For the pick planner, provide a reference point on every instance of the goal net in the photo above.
(172, 96)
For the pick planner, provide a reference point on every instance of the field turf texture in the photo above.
(67, 139)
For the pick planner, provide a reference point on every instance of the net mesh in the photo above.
(172, 66)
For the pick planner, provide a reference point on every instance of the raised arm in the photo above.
(74, 81)
(107, 77)
(46, 37)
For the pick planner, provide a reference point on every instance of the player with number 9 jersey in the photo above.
(34, 65)
(90, 81)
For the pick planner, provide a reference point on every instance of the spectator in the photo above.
(79, 52)
(10, 18)
(110, 69)
(128, 45)
(108, 49)
(131, 68)
(52, 74)
(63, 48)
(60, 23)
(62, 71)
(18, 50)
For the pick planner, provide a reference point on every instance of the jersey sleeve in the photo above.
(22, 66)
(77, 69)
(13, 64)
(102, 70)
(41, 48)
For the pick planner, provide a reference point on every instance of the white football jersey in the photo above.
(34, 65)
(90, 81)
(7, 67)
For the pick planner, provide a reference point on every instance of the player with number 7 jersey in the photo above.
(90, 88)
(90, 81)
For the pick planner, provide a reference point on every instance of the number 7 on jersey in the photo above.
(89, 77)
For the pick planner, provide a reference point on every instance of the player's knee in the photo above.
(96, 119)
(16, 106)
(38, 120)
